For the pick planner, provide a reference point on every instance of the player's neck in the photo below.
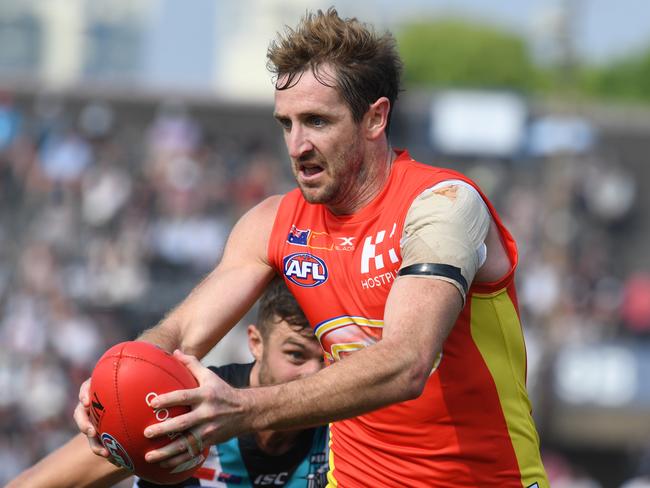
(368, 185)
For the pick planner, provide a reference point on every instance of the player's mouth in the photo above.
(309, 172)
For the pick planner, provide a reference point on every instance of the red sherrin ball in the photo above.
(124, 381)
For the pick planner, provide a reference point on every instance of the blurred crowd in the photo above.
(108, 222)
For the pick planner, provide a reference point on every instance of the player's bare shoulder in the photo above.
(251, 233)
(267, 209)
(261, 217)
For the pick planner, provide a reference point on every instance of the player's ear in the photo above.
(255, 342)
(376, 118)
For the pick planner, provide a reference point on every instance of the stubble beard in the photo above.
(322, 196)
(340, 183)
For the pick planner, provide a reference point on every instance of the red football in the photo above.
(124, 381)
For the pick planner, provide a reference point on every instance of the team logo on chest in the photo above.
(305, 269)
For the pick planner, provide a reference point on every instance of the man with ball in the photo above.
(405, 273)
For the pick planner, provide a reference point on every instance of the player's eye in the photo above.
(284, 123)
(295, 356)
(317, 121)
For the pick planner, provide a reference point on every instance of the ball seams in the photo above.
(155, 364)
(117, 396)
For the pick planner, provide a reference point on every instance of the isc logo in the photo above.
(305, 269)
(276, 479)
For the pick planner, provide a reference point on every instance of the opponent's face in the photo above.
(285, 355)
(325, 145)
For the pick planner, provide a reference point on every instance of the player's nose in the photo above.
(298, 143)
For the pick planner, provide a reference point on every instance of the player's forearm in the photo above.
(165, 335)
(363, 382)
(390, 371)
(190, 327)
(182, 328)
(72, 465)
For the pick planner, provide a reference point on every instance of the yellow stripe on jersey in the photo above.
(337, 349)
(331, 481)
(337, 322)
(501, 343)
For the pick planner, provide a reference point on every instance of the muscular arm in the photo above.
(72, 465)
(227, 293)
(419, 315)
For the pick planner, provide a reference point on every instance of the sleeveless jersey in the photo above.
(472, 425)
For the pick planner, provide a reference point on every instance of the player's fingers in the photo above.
(80, 416)
(179, 423)
(84, 393)
(185, 465)
(86, 427)
(175, 398)
(97, 448)
(172, 454)
(194, 441)
(182, 462)
(193, 364)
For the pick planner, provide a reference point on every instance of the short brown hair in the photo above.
(367, 65)
(278, 304)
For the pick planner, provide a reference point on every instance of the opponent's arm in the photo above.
(72, 465)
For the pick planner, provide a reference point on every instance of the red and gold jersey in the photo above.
(472, 425)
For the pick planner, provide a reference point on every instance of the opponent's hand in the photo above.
(84, 424)
(216, 416)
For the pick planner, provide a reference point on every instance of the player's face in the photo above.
(287, 354)
(325, 145)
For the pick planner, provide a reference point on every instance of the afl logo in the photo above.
(118, 453)
(305, 269)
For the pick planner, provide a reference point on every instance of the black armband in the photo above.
(435, 269)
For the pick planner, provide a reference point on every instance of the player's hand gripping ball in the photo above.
(125, 380)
